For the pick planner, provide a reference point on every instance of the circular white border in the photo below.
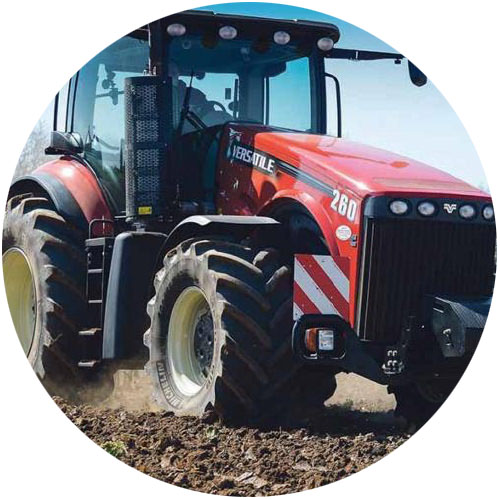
(456, 453)
(343, 233)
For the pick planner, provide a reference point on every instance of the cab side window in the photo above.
(62, 100)
(99, 115)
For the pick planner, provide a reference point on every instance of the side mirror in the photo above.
(416, 76)
(64, 143)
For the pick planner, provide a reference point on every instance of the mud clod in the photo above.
(208, 456)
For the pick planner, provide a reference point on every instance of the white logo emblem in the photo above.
(450, 207)
(343, 233)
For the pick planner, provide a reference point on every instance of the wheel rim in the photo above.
(190, 341)
(21, 295)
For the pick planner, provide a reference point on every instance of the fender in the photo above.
(72, 188)
(137, 256)
(130, 286)
(220, 225)
(312, 206)
(327, 223)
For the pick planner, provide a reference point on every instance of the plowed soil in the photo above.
(208, 456)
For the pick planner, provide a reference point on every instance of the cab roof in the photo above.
(251, 26)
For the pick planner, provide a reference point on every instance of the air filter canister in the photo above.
(145, 146)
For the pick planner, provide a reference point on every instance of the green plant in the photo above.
(115, 448)
(211, 433)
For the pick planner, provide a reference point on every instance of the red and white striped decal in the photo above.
(321, 285)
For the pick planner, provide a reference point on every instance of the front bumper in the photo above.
(440, 344)
(458, 323)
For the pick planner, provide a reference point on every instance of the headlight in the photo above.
(467, 211)
(228, 32)
(326, 340)
(426, 208)
(176, 29)
(281, 37)
(399, 207)
(488, 212)
(325, 44)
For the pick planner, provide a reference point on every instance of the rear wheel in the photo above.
(220, 335)
(44, 274)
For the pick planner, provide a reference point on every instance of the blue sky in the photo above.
(381, 106)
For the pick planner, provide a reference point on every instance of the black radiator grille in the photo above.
(405, 259)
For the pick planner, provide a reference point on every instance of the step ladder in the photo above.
(99, 252)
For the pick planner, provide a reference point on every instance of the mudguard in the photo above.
(217, 225)
(137, 256)
(72, 188)
(130, 286)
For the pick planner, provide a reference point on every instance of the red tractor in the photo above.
(197, 219)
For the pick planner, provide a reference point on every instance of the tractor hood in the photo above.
(364, 170)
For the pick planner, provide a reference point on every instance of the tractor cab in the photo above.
(215, 69)
(225, 69)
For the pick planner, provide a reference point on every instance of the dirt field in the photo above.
(207, 456)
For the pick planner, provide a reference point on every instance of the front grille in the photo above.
(402, 260)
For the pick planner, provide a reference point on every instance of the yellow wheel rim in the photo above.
(190, 341)
(21, 295)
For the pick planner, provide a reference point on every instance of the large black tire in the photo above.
(417, 403)
(54, 250)
(253, 375)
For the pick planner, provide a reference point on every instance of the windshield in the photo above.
(377, 97)
(242, 80)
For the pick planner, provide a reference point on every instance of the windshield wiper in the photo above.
(195, 120)
(364, 55)
(187, 113)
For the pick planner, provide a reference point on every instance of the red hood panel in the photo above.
(360, 168)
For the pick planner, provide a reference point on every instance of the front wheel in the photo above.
(220, 331)
(416, 403)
